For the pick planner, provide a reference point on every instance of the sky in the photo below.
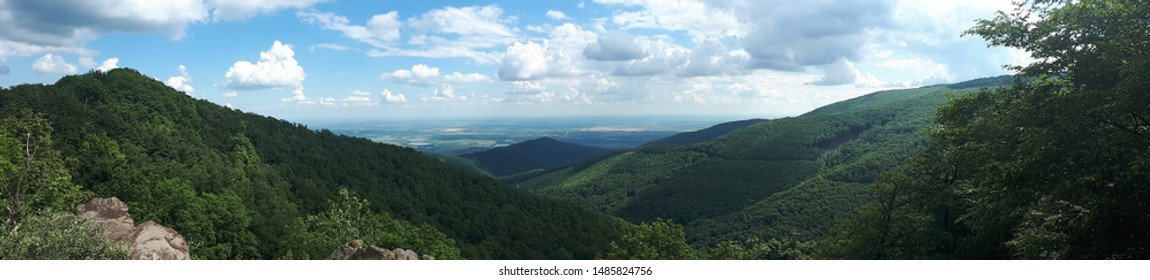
(325, 59)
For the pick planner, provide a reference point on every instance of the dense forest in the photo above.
(1050, 163)
(244, 186)
(1054, 167)
(531, 155)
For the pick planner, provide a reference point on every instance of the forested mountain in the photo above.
(244, 186)
(535, 154)
(703, 134)
(791, 178)
(1056, 167)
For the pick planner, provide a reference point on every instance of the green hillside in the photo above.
(244, 186)
(703, 134)
(535, 154)
(792, 177)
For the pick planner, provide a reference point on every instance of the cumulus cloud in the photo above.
(710, 58)
(838, 73)
(108, 64)
(614, 46)
(423, 75)
(183, 82)
(277, 68)
(379, 31)
(4, 70)
(71, 23)
(357, 98)
(556, 15)
(53, 64)
(445, 92)
(532, 61)
(30, 28)
(242, 9)
(392, 98)
(794, 35)
(230, 94)
(327, 101)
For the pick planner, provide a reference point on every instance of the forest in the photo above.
(1049, 163)
(244, 186)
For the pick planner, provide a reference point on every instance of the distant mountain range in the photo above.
(793, 177)
(536, 154)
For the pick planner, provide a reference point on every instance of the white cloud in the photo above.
(445, 93)
(230, 94)
(358, 98)
(379, 31)
(698, 18)
(712, 58)
(423, 75)
(334, 47)
(614, 46)
(556, 15)
(839, 73)
(385, 26)
(183, 82)
(242, 9)
(531, 61)
(53, 64)
(472, 22)
(299, 98)
(327, 101)
(109, 64)
(277, 68)
(392, 98)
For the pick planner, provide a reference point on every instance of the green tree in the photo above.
(49, 235)
(349, 218)
(32, 172)
(658, 240)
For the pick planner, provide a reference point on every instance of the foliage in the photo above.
(788, 179)
(541, 153)
(703, 135)
(755, 249)
(349, 218)
(50, 235)
(658, 240)
(235, 183)
(1054, 167)
(32, 172)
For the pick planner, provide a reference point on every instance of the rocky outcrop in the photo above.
(355, 251)
(147, 241)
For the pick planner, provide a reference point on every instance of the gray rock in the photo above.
(148, 241)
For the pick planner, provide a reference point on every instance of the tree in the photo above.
(658, 240)
(32, 172)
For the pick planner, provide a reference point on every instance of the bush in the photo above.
(57, 236)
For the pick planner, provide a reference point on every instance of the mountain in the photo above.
(793, 177)
(703, 134)
(536, 154)
(244, 186)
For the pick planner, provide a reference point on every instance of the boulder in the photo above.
(156, 242)
(111, 216)
(348, 252)
(147, 241)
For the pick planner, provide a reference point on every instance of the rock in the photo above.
(148, 241)
(111, 216)
(343, 252)
(156, 242)
(347, 252)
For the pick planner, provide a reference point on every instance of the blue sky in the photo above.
(308, 59)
